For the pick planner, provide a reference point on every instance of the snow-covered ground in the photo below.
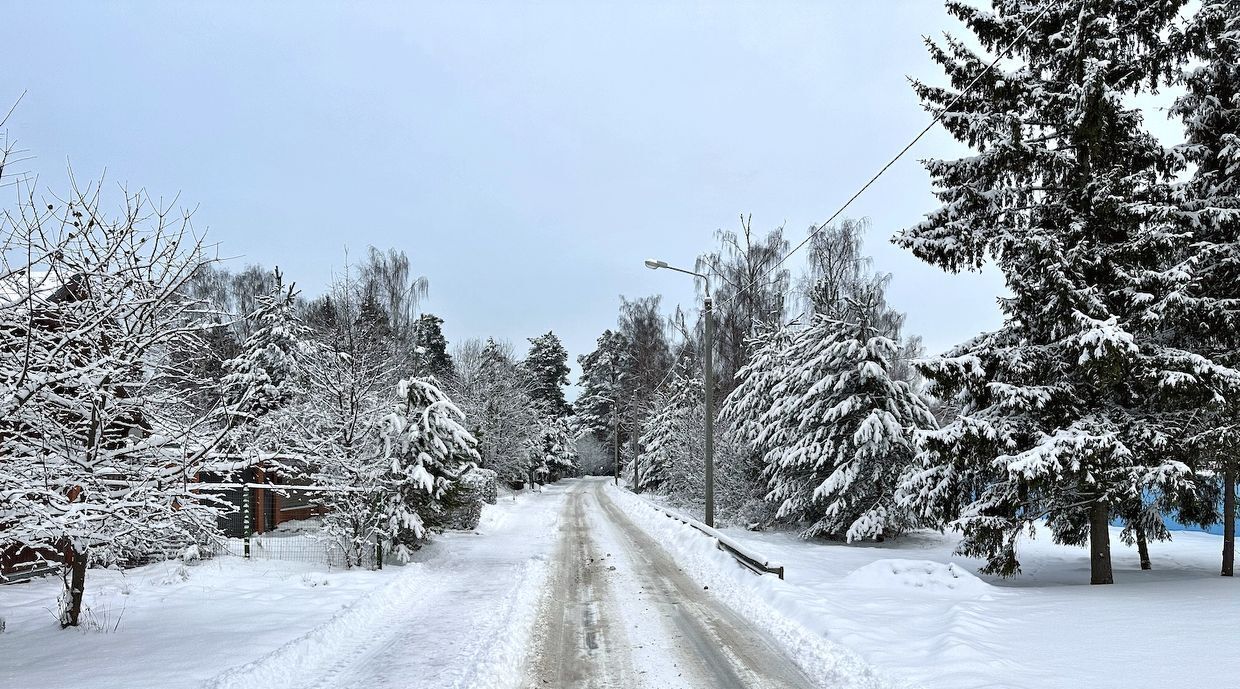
(167, 625)
(923, 617)
(460, 616)
(901, 614)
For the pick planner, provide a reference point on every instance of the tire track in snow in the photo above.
(578, 647)
(654, 627)
(714, 643)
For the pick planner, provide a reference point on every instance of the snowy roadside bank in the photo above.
(461, 613)
(925, 618)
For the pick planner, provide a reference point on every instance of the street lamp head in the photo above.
(655, 265)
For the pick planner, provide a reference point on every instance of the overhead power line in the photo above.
(937, 118)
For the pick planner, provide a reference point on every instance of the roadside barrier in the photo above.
(746, 558)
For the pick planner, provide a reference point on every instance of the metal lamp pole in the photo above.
(708, 380)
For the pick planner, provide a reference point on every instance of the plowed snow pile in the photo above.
(928, 576)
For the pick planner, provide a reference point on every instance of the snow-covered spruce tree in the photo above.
(686, 458)
(97, 452)
(665, 430)
(552, 452)
(740, 418)
(660, 433)
(1061, 409)
(604, 388)
(838, 288)
(546, 367)
(841, 431)
(266, 375)
(1207, 310)
(425, 449)
(430, 348)
(559, 448)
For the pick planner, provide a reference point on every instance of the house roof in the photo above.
(15, 287)
(45, 286)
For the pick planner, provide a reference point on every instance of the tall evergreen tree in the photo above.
(553, 452)
(604, 389)
(425, 449)
(264, 375)
(854, 439)
(546, 367)
(1207, 309)
(835, 427)
(1065, 408)
(430, 347)
(666, 431)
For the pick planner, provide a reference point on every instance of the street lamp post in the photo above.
(708, 380)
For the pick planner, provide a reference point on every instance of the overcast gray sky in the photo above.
(526, 157)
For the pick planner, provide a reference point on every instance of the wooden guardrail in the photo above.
(751, 561)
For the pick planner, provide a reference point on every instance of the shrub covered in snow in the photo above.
(474, 488)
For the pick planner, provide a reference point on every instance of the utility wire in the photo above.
(937, 118)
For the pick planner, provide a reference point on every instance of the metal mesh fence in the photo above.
(279, 522)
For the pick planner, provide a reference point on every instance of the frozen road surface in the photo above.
(558, 589)
(619, 612)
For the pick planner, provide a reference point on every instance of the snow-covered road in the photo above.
(620, 613)
(560, 589)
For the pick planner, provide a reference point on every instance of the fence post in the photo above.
(378, 554)
(245, 517)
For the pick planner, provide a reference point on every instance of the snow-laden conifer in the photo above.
(1067, 411)
(553, 453)
(604, 382)
(266, 377)
(839, 432)
(668, 430)
(1206, 310)
(425, 449)
(546, 368)
(430, 348)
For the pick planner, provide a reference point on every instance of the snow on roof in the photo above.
(17, 285)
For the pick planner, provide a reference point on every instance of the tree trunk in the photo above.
(75, 585)
(1143, 548)
(1099, 544)
(1229, 522)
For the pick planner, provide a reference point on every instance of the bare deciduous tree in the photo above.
(94, 441)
